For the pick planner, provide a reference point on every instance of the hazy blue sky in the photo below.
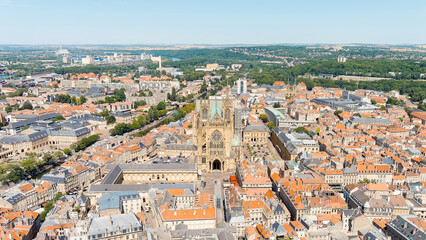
(211, 22)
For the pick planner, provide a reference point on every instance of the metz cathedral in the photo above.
(218, 132)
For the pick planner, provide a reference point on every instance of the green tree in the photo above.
(62, 98)
(16, 173)
(271, 125)
(155, 113)
(142, 120)
(365, 180)
(139, 103)
(301, 129)
(172, 96)
(277, 105)
(83, 99)
(67, 151)
(173, 93)
(59, 118)
(110, 119)
(27, 105)
(120, 95)
(104, 113)
(49, 206)
(59, 155)
(162, 112)
(263, 117)
(85, 142)
(74, 100)
(8, 109)
(203, 87)
(48, 159)
(135, 124)
(337, 112)
(161, 105)
(77, 101)
(120, 129)
(318, 130)
(29, 165)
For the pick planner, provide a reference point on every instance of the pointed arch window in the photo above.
(204, 114)
(227, 114)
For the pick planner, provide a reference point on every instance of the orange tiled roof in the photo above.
(187, 214)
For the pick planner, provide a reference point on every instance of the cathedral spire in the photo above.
(228, 92)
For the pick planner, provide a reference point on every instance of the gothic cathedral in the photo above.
(217, 133)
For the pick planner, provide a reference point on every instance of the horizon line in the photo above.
(207, 44)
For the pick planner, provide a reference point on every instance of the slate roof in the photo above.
(87, 117)
(111, 224)
(181, 147)
(113, 200)
(104, 188)
(29, 121)
(370, 120)
(43, 133)
(116, 170)
(255, 128)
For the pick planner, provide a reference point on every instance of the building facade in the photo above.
(217, 133)
(256, 134)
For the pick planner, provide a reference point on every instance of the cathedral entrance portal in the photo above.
(217, 165)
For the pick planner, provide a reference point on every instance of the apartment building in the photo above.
(253, 175)
(119, 202)
(406, 227)
(72, 175)
(200, 215)
(123, 226)
(289, 145)
(28, 195)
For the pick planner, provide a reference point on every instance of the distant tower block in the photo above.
(241, 86)
(341, 59)
(159, 63)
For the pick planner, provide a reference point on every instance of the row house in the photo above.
(28, 195)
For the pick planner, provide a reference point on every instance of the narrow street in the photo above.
(214, 185)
